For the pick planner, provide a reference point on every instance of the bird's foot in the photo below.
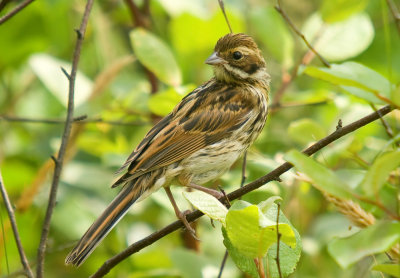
(182, 216)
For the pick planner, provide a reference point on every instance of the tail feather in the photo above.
(103, 225)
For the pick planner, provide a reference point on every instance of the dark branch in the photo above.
(278, 7)
(273, 175)
(16, 10)
(278, 240)
(64, 142)
(79, 119)
(13, 222)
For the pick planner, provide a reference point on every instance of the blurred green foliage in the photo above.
(360, 37)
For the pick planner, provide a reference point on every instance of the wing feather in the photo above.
(204, 117)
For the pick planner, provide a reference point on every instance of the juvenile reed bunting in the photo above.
(198, 141)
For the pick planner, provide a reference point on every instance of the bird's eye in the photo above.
(237, 55)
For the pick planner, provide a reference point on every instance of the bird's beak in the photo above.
(215, 60)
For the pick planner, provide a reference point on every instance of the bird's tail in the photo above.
(103, 225)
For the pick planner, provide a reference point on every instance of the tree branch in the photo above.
(76, 120)
(11, 215)
(271, 176)
(222, 6)
(16, 10)
(278, 7)
(64, 141)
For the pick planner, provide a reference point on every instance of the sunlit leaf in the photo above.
(305, 131)
(48, 69)
(288, 256)
(252, 233)
(156, 56)
(355, 78)
(337, 10)
(391, 269)
(374, 239)
(340, 40)
(207, 204)
(164, 102)
(379, 172)
(322, 178)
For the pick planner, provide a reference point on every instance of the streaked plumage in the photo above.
(199, 140)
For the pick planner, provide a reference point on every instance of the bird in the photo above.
(206, 132)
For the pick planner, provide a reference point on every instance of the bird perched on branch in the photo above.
(198, 141)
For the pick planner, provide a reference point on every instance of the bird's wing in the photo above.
(204, 117)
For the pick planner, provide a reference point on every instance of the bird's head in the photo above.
(237, 58)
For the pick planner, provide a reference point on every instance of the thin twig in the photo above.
(287, 79)
(278, 240)
(273, 175)
(244, 164)
(260, 267)
(222, 6)
(395, 13)
(221, 269)
(64, 141)
(278, 7)
(11, 215)
(76, 120)
(387, 127)
(16, 10)
(243, 180)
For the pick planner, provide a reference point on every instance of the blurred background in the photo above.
(137, 62)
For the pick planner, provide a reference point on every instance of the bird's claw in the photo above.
(182, 217)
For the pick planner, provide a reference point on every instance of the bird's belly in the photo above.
(211, 162)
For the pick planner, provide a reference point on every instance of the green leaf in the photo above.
(289, 257)
(266, 24)
(337, 10)
(207, 204)
(340, 40)
(377, 238)
(48, 69)
(244, 263)
(322, 178)
(162, 103)
(252, 233)
(395, 97)
(267, 204)
(379, 172)
(391, 269)
(154, 54)
(354, 78)
(305, 131)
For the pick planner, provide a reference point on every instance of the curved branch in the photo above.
(64, 141)
(16, 10)
(271, 176)
(11, 215)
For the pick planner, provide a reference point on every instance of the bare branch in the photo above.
(223, 263)
(222, 6)
(64, 142)
(278, 7)
(76, 120)
(273, 175)
(11, 215)
(16, 10)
